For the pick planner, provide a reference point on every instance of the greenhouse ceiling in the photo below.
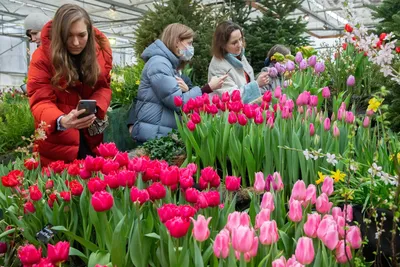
(118, 18)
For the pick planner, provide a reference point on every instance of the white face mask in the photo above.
(186, 54)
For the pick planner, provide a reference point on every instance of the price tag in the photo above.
(46, 234)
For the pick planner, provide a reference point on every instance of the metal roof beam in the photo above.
(97, 5)
(122, 5)
(317, 17)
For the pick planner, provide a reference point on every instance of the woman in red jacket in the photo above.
(73, 63)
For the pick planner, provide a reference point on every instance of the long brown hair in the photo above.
(65, 16)
(221, 37)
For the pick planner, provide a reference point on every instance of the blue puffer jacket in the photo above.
(153, 115)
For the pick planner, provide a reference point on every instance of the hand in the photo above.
(217, 82)
(71, 120)
(182, 84)
(263, 79)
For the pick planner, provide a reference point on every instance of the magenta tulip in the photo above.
(326, 93)
(312, 129)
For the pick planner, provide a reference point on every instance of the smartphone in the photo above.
(89, 105)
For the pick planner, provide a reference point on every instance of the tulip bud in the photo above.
(305, 250)
(326, 93)
(312, 129)
(351, 81)
(327, 124)
(336, 131)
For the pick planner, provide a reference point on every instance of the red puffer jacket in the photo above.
(47, 103)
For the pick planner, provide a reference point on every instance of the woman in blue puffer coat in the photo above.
(153, 114)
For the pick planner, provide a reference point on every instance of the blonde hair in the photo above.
(62, 62)
(174, 33)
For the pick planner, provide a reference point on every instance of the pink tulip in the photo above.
(311, 195)
(263, 216)
(300, 109)
(305, 250)
(242, 239)
(278, 181)
(292, 262)
(341, 254)
(370, 112)
(348, 209)
(277, 92)
(341, 224)
(336, 212)
(281, 262)
(327, 186)
(295, 211)
(328, 233)
(350, 117)
(327, 124)
(252, 253)
(336, 131)
(312, 129)
(323, 205)
(326, 93)
(221, 244)
(312, 60)
(270, 122)
(311, 225)
(268, 201)
(235, 219)
(269, 233)
(259, 183)
(200, 228)
(341, 113)
(366, 122)
(351, 81)
(299, 190)
(313, 100)
(353, 236)
(258, 118)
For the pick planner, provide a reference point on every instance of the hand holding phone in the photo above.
(88, 105)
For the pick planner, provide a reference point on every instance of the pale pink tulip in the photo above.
(341, 113)
(327, 124)
(336, 131)
(263, 216)
(270, 122)
(268, 201)
(295, 211)
(235, 219)
(370, 112)
(259, 183)
(252, 253)
(311, 225)
(349, 212)
(305, 250)
(328, 233)
(366, 122)
(269, 233)
(292, 262)
(278, 181)
(311, 195)
(327, 186)
(340, 226)
(353, 236)
(350, 117)
(299, 190)
(242, 239)
(336, 212)
(323, 205)
(200, 228)
(341, 254)
(221, 244)
(281, 262)
(277, 92)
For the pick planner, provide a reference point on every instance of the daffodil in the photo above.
(338, 176)
(374, 104)
(321, 178)
(137, 82)
(392, 156)
(348, 194)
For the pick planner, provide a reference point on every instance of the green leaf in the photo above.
(286, 241)
(198, 259)
(5, 233)
(171, 252)
(207, 254)
(87, 244)
(118, 247)
(153, 235)
(75, 252)
(99, 257)
(135, 246)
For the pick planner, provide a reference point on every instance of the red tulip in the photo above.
(12, 179)
(242, 119)
(3, 247)
(232, 119)
(398, 50)
(111, 180)
(141, 196)
(93, 164)
(76, 188)
(57, 166)
(59, 253)
(213, 198)
(156, 191)
(225, 97)
(110, 167)
(177, 226)
(122, 159)
(29, 207)
(74, 170)
(126, 178)
(44, 262)
(178, 101)
(66, 196)
(196, 118)
(232, 183)
(108, 150)
(96, 184)
(186, 181)
(31, 164)
(186, 211)
(191, 125)
(170, 176)
(258, 118)
(52, 199)
(167, 212)
(267, 97)
(102, 201)
(29, 255)
(191, 195)
(236, 96)
(348, 28)
(34, 193)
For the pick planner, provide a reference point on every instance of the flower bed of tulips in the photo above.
(115, 211)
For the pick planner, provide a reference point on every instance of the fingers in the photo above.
(75, 113)
(86, 123)
(222, 78)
